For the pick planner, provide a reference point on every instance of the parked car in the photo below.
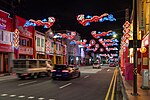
(63, 71)
(96, 65)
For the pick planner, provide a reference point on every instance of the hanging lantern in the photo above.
(143, 50)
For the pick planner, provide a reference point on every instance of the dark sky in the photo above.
(65, 12)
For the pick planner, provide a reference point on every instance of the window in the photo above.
(1, 35)
(38, 41)
(42, 43)
(23, 42)
(52, 44)
(29, 42)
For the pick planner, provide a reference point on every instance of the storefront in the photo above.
(6, 49)
(144, 51)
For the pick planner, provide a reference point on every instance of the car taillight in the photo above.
(53, 70)
(65, 71)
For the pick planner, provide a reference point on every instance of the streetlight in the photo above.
(135, 47)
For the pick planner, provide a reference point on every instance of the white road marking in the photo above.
(41, 98)
(86, 76)
(31, 97)
(21, 96)
(26, 83)
(12, 95)
(108, 70)
(51, 99)
(3, 95)
(65, 85)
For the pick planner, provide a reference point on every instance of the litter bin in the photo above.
(145, 79)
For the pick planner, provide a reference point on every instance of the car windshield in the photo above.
(60, 67)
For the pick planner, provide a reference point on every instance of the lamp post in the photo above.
(135, 47)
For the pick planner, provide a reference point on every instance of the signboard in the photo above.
(24, 31)
(5, 48)
(25, 50)
(6, 23)
(141, 14)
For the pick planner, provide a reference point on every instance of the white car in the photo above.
(96, 65)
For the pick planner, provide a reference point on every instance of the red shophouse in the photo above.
(26, 39)
(6, 34)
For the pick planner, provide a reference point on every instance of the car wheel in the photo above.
(35, 76)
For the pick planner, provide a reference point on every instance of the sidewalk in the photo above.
(142, 94)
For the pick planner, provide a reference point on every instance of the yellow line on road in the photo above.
(107, 95)
(114, 85)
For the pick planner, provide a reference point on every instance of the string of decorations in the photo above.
(85, 21)
(45, 23)
(69, 36)
(101, 34)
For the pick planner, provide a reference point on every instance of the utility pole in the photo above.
(135, 48)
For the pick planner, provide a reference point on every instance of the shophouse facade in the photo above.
(40, 45)
(6, 39)
(26, 39)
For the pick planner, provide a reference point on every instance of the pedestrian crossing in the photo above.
(21, 97)
(91, 70)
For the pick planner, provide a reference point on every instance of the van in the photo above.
(32, 68)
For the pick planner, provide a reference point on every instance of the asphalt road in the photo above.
(92, 85)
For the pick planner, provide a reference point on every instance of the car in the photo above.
(63, 71)
(96, 65)
(112, 64)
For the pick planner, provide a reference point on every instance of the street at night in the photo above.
(93, 84)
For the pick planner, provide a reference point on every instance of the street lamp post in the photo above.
(135, 47)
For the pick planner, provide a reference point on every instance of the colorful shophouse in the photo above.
(26, 39)
(6, 49)
(40, 45)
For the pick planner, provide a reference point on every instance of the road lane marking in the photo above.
(51, 99)
(26, 83)
(3, 95)
(65, 85)
(41, 98)
(21, 96)
(12, 95)
(31, 97)
(108, 70)
(86, 76)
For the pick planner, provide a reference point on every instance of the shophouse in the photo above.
(26, 39)
(40, 45)
(6, 39)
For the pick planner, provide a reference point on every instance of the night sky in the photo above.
(65, 12)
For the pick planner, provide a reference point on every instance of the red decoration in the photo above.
(100, 35)
(83, 21)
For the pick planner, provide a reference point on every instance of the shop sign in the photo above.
(25, 50)
(24, 31)
(5, 48)
(5, 21)
(142, 11)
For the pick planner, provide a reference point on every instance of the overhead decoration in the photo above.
(85, 21)
(45, 23)
(83, 43)
(100, 34)
(69, 36)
